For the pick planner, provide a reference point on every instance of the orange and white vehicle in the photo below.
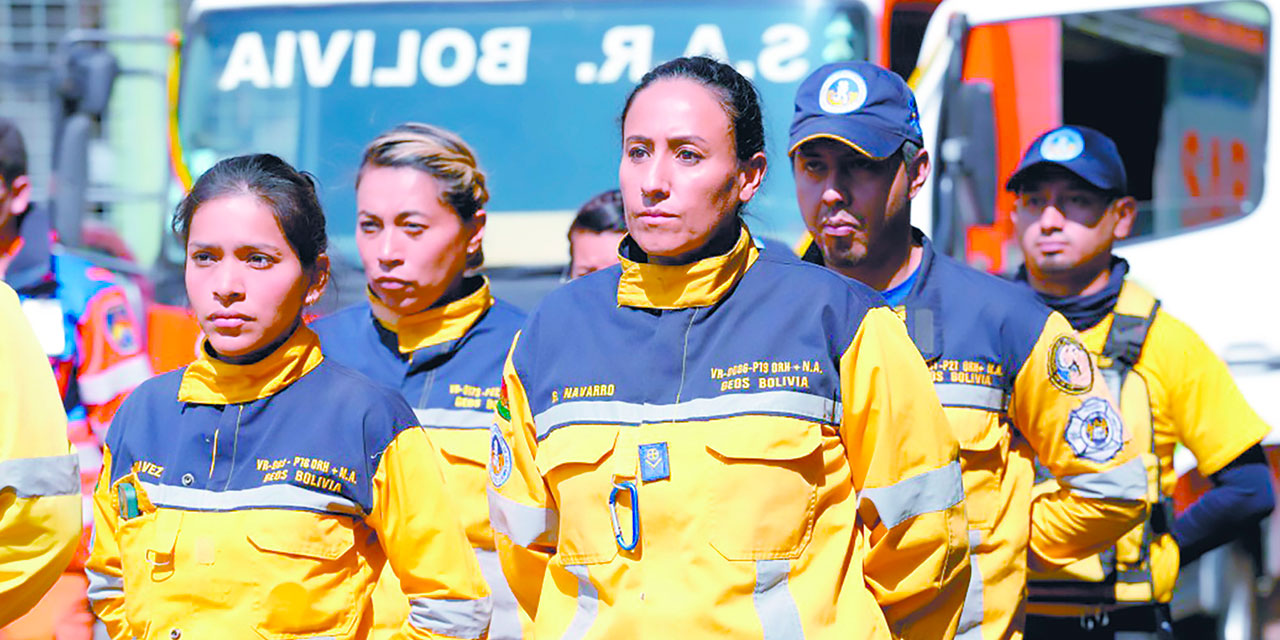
(1183, 87)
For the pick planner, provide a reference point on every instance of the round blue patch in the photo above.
(1062, 145)
(842, 92)
(500, 460)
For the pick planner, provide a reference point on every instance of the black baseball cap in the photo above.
(861, 104)
(1086, 152)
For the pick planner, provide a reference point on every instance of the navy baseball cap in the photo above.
(1086, 152)
(863, 105)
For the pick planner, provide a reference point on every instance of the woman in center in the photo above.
(715, 440)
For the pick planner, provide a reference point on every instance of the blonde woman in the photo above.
(428, 329)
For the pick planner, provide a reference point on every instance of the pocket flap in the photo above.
(465, 445)
(976, 429)
(322, 538)
(585, 445)
(766, 439)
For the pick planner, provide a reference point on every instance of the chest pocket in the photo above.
(312, 590)
(575, 464)
(465, 453)
(764, 486)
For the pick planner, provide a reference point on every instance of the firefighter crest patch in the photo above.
(842, 92)
(1070, 368)
(1094, 431)
(499, 457)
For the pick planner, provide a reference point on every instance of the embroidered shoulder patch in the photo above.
(1094, 431)
(504, 405)
(1070, 368)
(499, 457)
(120, 330)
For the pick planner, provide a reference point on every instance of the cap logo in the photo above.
(1062, 145)
(842, 92)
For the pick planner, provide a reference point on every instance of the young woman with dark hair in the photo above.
(261, 489)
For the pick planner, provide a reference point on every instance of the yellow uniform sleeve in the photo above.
(39, 475)
(521, 510)
(1198, 396)
(417, 523)
(905, 464)
(1061, 405)
(106, 577)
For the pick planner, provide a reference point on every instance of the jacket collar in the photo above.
(700, 283)
(212, 381)
(32, 267)
(922, 310)
(436, 325)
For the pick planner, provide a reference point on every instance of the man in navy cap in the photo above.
(1072, 206)
(1015, 381)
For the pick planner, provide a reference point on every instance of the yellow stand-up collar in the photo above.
(697, 284)
(212, 381)
(436, 325)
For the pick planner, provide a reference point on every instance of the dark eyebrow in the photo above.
(638, 139)
(264, 248)
(678, 140)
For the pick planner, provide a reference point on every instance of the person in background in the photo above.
(1014, 380)
(431, 329)
(39, 482)
(94, 343)
(595, 234)
(1072, 206)
(260, 490)
(684, 445)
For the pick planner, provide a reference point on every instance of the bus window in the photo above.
(1182, 91)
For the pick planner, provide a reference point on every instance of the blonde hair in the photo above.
(443, 155)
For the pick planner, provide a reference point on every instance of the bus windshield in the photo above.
(535, 87)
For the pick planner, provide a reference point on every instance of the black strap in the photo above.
(1127, 336)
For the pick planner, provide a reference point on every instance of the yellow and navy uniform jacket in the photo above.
(1017, 385)
(447, 363)
(39, 483)
(1178, 392)
(744, 446)
(266, 498)
(89, 334)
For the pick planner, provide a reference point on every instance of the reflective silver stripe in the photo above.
(39, 477)
(955, 394)
(454, 418)
(523, 524)
(505, 624)
(588, 604)
(102, 386)
(971, 613)
(784, 403)
(454, 618)
(774, 604)
(103, 586)
(923, 493)
(285, 496)
(1125, 482)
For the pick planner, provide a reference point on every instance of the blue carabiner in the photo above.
(630, 487)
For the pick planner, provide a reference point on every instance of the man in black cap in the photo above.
(1072, 206)
(1014, 380)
